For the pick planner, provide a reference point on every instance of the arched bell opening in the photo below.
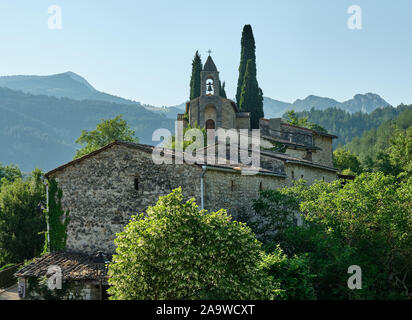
(210, 87)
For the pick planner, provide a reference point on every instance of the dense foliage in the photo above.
(106, 132)
(195, 86)
(249, 96)
(347, 125)
(247, 52)
(346, 162)
(385, 138)
(366, 222)
(21, 219)
(9, 173)
(222, 89)
(293, 119)
(57, 218)
(175, 251)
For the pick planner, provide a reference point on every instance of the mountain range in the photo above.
(71, 85)
(365, 103)
(42, 116)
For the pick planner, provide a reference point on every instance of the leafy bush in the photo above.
(275, 213)
(21, 219)
(9, 265)
(175, 251)
(366, 222)
(293, 274)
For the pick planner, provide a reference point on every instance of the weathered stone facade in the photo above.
(104, 189)
(235, 192)
(102, 192)
(211, 108)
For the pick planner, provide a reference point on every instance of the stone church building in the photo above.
(103, 189)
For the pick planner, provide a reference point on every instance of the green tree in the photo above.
(222, 89)
(175, 251)
(275, 213)
(248, 48)
(21, 219)
(197, 67)
(344, 159)
(367, 222)
(293, 274)
(57, 218)
(251, 97)
(9, 173)
(400, 151)
(294, 119)
(106, 132)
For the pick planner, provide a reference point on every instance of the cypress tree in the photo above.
(248, 49)
(197, 67)
(222, 90)
(251, 96)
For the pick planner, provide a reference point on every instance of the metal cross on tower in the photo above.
(209, 51)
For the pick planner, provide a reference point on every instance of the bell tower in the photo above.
(210, 110)
(209, 78)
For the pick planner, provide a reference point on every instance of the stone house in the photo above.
(103, 189)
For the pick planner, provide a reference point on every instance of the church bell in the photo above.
(209, 87)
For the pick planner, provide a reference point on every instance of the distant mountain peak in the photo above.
(365, 103)
(80, 79)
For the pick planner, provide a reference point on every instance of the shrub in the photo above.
(293, 274)
(175, 251)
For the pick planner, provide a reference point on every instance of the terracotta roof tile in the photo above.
(75, 266)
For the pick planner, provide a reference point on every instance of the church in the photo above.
(103, 189)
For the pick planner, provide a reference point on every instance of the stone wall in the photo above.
(103, 191)
(310, 174)
(100, 193)
(325, 155)
(243, 122)
(236, 192)
(78, 290)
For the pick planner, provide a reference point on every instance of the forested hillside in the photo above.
(348, 126)
(40, 131)
(377, 140)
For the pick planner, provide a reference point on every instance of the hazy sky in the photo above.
(142, 50)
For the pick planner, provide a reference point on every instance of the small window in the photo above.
(293, 175)
(136, 184)
(323, 178)
(260, 186)
(301, 176)
(232, 185)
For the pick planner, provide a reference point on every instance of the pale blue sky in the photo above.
(142, 50)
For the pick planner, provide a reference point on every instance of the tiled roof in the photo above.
(143, 147)
(74, 266)
(320, 133)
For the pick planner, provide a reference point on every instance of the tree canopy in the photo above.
(251, 96)
(106, 132)
(195, 86)
(366, 222)
(176, 251)
(22, 219)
